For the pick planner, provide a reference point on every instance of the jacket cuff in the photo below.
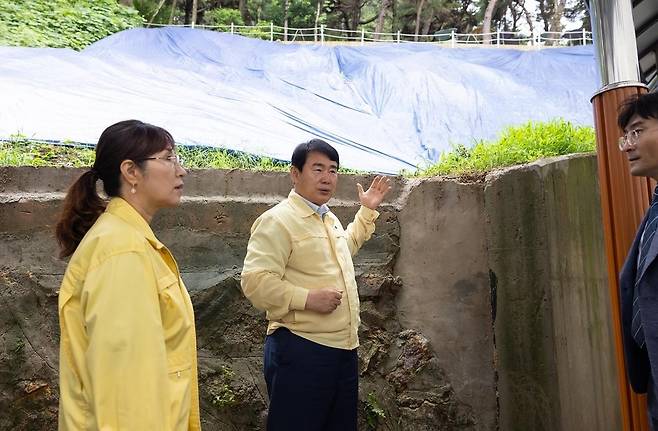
(298, 301)
(367, 214)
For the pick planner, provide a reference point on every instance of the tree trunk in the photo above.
(188, 11)
(544, 11)
(174, 3)
(356, 14)
(244, 12)
(427, 24)
(194, 12)
(317, 14)
(555, 26)
(286, 6)
(419, 10)
(486, 24)
(526, 14)
(379, 27)
(157, 10)
(516, 15)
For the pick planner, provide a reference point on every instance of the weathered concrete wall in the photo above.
(450, 266)
(446, 295)
(552, 323)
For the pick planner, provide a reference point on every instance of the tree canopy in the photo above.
(77, 23)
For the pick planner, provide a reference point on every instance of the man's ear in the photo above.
(294, 174)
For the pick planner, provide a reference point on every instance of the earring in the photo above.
(133, 191)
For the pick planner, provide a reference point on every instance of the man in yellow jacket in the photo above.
(299, 270)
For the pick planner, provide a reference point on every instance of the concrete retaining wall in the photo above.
(484, 305)
(553, 332)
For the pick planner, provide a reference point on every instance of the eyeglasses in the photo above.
(174, 159)
(631, 138)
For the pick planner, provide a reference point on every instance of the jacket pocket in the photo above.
(291, 317)
(166, 282)
(312, 249)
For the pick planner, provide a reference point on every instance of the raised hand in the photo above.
(376, 192)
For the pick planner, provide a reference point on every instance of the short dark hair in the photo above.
(318, 145)
(643, 105)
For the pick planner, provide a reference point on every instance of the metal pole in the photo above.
(453, 40)
(398, 36)
(271, 32)
(322, 34)
(363, 35)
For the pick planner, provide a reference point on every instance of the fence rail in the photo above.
(449, 37)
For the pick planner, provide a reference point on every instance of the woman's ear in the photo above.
(130, 173)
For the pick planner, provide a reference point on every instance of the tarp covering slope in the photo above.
(386, 107)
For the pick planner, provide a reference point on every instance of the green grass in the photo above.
(218, 158)
(21, 151)
(515, 146)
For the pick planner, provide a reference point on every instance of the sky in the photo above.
(532, 7)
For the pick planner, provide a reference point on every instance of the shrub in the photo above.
(516, 145)
(261, 31)
(62, 23)
(223, 16)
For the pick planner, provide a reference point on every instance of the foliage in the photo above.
(223, 16)
(301, 13)
(374, 412)
(77, 23)
(218, 158)
(21, 151)
(260, 31)
(223, 395)
(516, 145)
(62, 23)
(147, 8)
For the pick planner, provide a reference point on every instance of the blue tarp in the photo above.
(386, 107)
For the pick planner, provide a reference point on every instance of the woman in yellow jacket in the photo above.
(128, 344)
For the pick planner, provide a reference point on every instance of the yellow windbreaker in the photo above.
(128, 343)
(293, 250)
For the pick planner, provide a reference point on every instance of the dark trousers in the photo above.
(311, 387)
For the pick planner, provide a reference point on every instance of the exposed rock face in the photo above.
(475, 298)
(29, 337)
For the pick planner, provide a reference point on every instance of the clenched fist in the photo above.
(323, 300)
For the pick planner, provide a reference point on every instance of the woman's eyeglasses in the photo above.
(174, 159)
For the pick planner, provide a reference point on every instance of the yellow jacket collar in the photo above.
(122, 209)
(300, 205)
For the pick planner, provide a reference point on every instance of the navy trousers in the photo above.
(311, 387)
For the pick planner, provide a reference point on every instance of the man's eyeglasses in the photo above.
(174, 159)
(631, 138)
